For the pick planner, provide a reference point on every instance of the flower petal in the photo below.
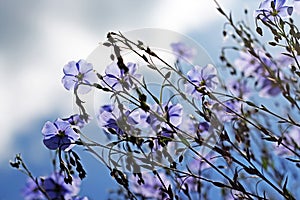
(84, 67)
(52, 143)
(113, 69)
(70, 68)
(69, 81)
(49, 129)
(61, 124)
(285, 11)
(279, 3)
(91, 77)
(72, 135)
(84, 89)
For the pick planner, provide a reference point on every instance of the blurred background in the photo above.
(37, 38)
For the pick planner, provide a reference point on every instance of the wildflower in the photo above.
(59, 135)
(118, 79)
(77, 120)
(79, 74)
(182, 51)
(201, 79)
(171, 115)
(117, 121)
(270, 9)
(290, 139)
(269, 88)
(54, 186)
(239, 88)
(31, 190)
(149, 186)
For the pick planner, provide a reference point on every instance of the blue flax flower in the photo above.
(201, 79)
(266, 11)
(116, 121)
(269, 88)
(77, 120)
(31, 190)
(79, 74)
(54, 186)
(182, 51)
(118, 79)
(171, 115)
(59, 135)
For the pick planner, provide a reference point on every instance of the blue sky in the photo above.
(38, 37)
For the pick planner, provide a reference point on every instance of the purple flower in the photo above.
(239, 88)
(266, 11)
(150, 187)
(116, 121)
(251, 66)
(269, 88)
(77, 120)
(54, 186)
(202, 79)
(59, 135)
(197, 165)
(118, 79)
(291, 139)
(79, 74)
(31, 190)
(226, 112)
(171, 114)
(202, 127)
(182, 51)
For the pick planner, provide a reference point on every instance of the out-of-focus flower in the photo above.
(195, 127)
(77, 120)
(251, 66)
(31, 191)
(269, 88)
(239, 88)
(59, 135)
(182, 51)
(226, 112)
(291, 139)
(268, 12)
(79, 74)
(150, 187)
(118, 79)
(202, 79)
(54, 186)
(261, 71)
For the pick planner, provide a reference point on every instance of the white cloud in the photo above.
(183, 16)
(34, 88)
